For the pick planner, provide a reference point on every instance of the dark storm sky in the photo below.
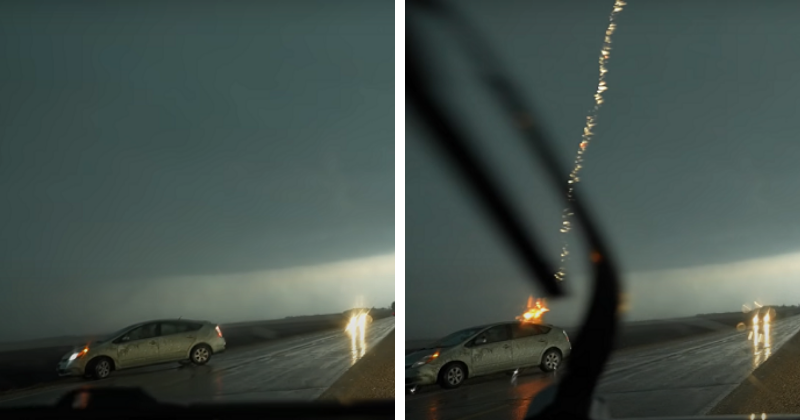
(690, 173)
(218, 161)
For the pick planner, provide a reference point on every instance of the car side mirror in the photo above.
(124, 339)
(480, 340)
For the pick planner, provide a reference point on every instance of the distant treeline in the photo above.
(375, 313)
(733, 318)
(308, 316)
(785, 309)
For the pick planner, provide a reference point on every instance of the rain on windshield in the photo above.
(676, 124)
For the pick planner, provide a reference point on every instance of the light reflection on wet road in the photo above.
(762, 338)
(357, 333)
(298, 368)
(686, 377)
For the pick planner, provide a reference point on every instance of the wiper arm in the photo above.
(452, 142)
(576, 390)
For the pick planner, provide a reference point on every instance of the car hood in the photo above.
(72, 351)
(93, 345)
(418, 355)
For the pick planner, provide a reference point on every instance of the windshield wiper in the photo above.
(593, 344)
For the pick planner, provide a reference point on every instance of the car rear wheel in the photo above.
(551, 360)
(452, 375)
(99, 368)
(200, 354)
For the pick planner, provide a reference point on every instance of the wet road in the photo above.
(298, 368)
(686, 377)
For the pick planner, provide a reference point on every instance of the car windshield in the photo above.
(456, 338)
(674, 126)
(114, 335)
(221, 175)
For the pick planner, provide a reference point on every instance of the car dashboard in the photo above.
(133, 403)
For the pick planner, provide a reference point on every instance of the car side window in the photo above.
(144, 332)
(525, 329)
(170, 328)
(496, 334)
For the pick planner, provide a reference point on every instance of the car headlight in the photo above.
(425, 360)
(78, 354)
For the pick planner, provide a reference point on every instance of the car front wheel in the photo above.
(452, 375)
(99, 368)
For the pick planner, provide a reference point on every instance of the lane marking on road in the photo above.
(607, 375)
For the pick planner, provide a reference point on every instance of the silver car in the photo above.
(501, 347)
(144, 344)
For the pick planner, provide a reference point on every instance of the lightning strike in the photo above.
(586, 138)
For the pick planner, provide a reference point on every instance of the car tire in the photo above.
(99, 368)
(452, 375)
(551, 360)
(200, 354)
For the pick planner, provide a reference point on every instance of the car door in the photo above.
(175, 340)
(492, 351)
(139, 346)
(529, 341)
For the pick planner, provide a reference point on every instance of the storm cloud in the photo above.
(157, 155)
(689, 175)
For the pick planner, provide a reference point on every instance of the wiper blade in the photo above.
(576, 390)
(452, 141)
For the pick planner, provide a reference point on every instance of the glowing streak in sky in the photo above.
(591, 121)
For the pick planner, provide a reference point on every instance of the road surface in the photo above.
(298, 368)
(23, 365)
(679, 378)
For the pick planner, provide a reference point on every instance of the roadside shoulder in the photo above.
(370, 378)
(772, 388)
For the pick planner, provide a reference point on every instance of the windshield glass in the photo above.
(221, 173)
(456, 338)
(675, 127)
(114, 335)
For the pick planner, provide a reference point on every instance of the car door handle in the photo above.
(542, 341)
(506, 346)
(153, 342)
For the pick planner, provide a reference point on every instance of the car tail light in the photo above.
(566, 336)
(219, 331)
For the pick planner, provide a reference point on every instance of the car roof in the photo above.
(494, 324)
(168, 320)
